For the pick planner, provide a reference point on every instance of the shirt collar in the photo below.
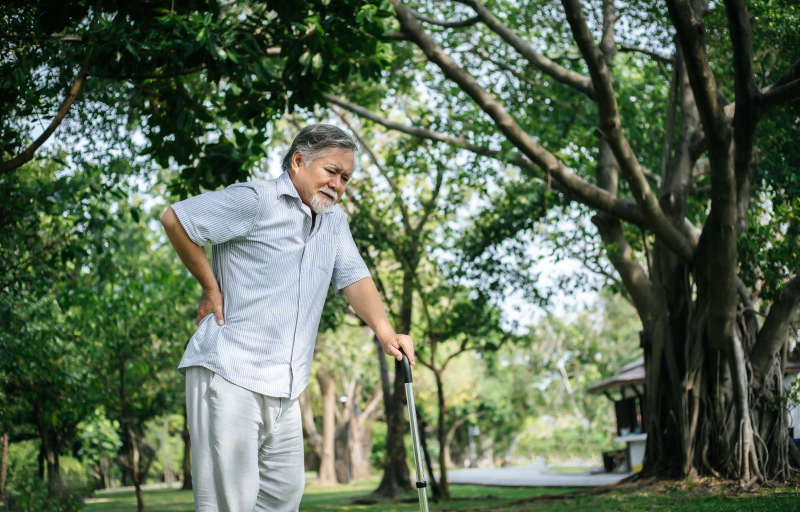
(285, 186)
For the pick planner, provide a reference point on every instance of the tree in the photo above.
(100, 445)
(469, 324)
(349, 395)
(134, 316)
(409, 200)
(494, 87)
(49, 224)
(549, 371)
(199, 80)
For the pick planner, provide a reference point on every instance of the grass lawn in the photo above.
(669, 497)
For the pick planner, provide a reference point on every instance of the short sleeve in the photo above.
(216, 217)
(349, 266)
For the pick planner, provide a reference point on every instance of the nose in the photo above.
(336, 183)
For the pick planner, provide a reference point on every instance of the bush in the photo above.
(27, 493)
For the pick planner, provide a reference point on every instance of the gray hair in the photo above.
(314, 140)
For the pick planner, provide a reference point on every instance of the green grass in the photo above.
(666, 498)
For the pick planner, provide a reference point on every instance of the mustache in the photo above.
(329, 193)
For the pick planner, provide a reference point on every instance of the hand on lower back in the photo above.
(210, 302)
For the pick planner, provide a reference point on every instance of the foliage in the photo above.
(26, 493)
(100, 443)
(199, 80)
(86, 259)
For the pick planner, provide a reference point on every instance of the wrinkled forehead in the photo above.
(337, 159)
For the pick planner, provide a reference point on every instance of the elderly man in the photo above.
(276, 247)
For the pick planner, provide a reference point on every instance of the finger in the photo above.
(199, 317)
(220, 318)
(392, 351)
(408, 348)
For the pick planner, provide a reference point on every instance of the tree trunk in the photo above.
(187, 454)
(343, 448)
(133, 461)
(444, 487)
(713, 409)
(361, 437)
(451, 434)
(313, 437)
(48, 452)
(130, 440)
(360, 446)
(422, 426)
(359, 441)
(327, 468)
(487, 451)
(4, 462)
(396, 476)
(508, 458)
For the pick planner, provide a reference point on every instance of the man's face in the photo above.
(322, 184)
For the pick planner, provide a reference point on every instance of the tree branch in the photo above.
(392, 184)
(310, 428)
(57, 37)
(369, 410)
(747, 103)
(27, 155)
(651, 54)
(777, 96)
(457, 353)
(620, 253)
(420, 132)
(791, 74)
(397, 36)
(446, 24)
(507, 68)
(690, 37)
(607, 44)
(431, 204)
(452, 431)
(774, 333)
(587, 193)
(149, 77)
(559, 73)
(611, 130)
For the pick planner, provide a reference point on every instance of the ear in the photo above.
(297, 162)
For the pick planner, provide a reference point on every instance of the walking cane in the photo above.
(422, 485)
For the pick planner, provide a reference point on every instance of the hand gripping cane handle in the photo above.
(405, 367)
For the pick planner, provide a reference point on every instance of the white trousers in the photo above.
(247, 448)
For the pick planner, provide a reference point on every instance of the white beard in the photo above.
(321, 203)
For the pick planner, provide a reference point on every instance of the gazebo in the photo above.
(627, 391)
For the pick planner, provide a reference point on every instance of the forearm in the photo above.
(193, 257)
(366, 302)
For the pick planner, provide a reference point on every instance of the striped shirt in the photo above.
(274, 275)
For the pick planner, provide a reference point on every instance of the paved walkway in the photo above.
(529, 476)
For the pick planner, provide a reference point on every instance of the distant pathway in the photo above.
(529, 476)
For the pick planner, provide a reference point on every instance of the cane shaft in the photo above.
(412, 420)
